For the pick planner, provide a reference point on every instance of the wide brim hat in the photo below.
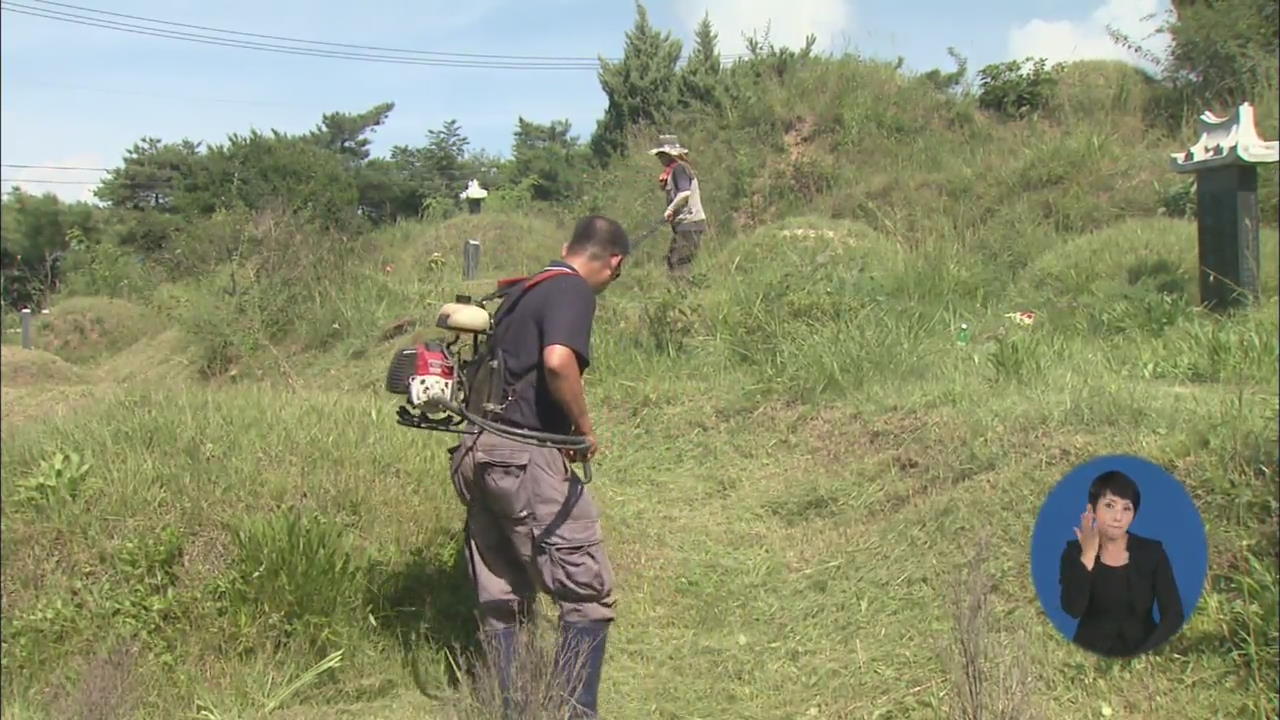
(670, 145)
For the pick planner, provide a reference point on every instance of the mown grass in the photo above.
(797, 462)
(210, 512)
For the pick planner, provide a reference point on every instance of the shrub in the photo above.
(107, 268)
(89, 329)
(281, 281)
(1018, 88)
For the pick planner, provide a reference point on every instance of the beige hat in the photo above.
(669, 145)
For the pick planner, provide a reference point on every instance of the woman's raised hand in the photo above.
(1087, 534)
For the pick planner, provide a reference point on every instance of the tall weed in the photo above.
(987, 682)
(56, 484)
(1205, 348)
(294, 577)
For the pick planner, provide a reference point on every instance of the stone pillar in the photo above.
(1225, 161)
(470, 259)
(26, 328)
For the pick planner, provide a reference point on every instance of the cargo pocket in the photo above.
(455, 476)
(573, 563)
(501, 472)
(462, 468)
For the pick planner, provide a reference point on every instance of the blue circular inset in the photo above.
(1166, 514)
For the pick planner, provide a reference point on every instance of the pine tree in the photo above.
(642, 87)
(700, 79)
(551, 156)
(345, 133)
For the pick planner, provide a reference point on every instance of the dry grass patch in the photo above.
(26, 368)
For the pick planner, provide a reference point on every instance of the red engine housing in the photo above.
(433, 361)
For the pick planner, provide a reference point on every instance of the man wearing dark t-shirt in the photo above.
(531, 523)
(556, 312)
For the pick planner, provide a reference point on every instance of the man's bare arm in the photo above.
(565, 380)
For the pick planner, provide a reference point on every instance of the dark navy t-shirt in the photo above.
(556, 311)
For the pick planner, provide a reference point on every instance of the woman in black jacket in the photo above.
(1112, 578)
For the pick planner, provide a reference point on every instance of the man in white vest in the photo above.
(684, 204)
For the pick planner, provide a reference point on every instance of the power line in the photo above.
(166, 182)
(317, 42)
(40, 84)
(134, 184)
(55, 167)
(267, 47)
(445, 175)
(50, 182)
(436, 174)
(541, 62)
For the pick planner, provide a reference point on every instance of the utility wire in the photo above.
(50, 182)
(172, 180)
(568, 63)
(318, 42)
(268, 47)
(55, 167)
(119, 182)
(433, 174)
(40, 84)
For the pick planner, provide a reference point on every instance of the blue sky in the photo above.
(71, 94)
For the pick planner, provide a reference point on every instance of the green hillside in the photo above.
(805, 479)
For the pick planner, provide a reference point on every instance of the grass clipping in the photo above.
(987, 684)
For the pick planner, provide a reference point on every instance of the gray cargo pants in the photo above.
(531, 525)
(684, 248)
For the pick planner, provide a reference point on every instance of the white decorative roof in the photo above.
(474, 191)
(1231, 140)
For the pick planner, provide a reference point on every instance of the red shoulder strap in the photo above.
(533, 279)
(508, 302)
(547, 275)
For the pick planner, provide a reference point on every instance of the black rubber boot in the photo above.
(579, 658)
(501, 646)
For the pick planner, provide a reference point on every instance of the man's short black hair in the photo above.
(600, 237)
(1118, 484)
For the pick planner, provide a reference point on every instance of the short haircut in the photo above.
(1118, 484)
(599, 237)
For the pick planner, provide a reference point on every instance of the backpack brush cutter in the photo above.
(445, 391)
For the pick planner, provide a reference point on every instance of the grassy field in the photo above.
(798, 466)
(817, 502)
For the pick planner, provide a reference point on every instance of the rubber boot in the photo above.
(579, 658)
(501, 646)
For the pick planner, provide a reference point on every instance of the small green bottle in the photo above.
(962, 337)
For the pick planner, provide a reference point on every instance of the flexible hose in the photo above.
(530, 437)
(560, 442)
(520, 435)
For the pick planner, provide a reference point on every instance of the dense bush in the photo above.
(1018, 88)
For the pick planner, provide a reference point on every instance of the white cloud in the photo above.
(66, 184)
(1067, 40)
(789, 21)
